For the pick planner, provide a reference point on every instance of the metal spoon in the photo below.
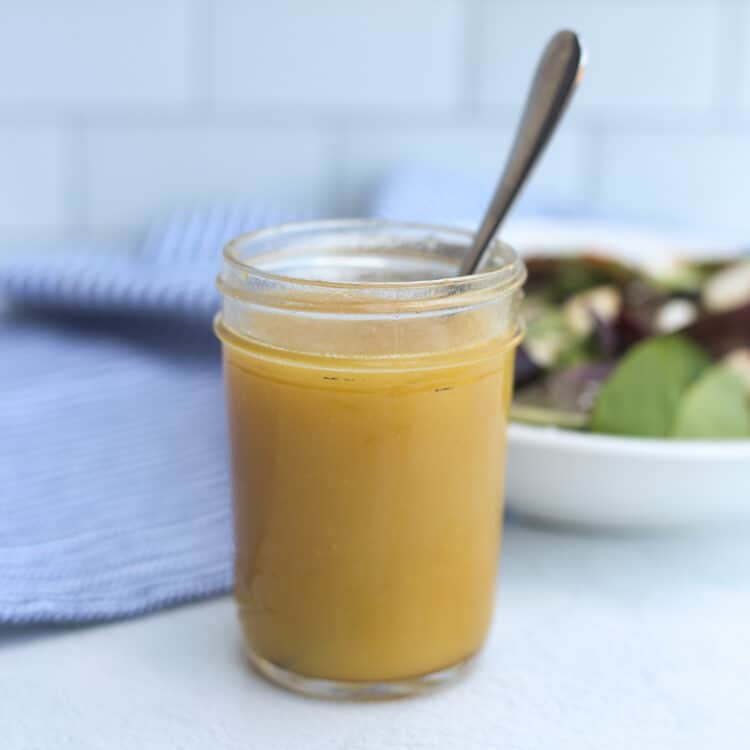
(560, 69)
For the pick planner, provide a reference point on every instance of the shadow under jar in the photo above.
(368, 395)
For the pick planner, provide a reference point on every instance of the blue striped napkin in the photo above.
(114, 496)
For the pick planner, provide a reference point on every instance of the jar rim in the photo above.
(509, 274)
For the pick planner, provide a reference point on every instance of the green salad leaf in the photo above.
(643, 394)
(715, 406)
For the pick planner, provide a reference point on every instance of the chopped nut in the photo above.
(738, 361)
(674, 315)
(728, 288)
(603, 302)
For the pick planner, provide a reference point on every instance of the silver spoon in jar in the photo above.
(560, 69)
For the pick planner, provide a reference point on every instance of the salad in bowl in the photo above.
(619, 349)
(632, 386)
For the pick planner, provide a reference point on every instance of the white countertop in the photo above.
(598, 642)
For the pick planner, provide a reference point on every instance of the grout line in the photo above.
(366, 118)
(201, 55)
(593, 163)
(730, 44)
(228, 117)
(469, 50)
(75, 196)
(339, 200)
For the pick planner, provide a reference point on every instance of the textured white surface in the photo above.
(599, 642)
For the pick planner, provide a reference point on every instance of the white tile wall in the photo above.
(32, 179)
(134, 173)
(646, 56)
(111, 113)
(698, 177)
(86, 53)
(338, 54)
(738, 33)
(369, 154)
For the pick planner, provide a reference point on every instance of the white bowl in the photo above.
(563, 476)
(578, 478)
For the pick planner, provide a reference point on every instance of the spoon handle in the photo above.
(559, 70)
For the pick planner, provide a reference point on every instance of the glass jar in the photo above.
(368, 392)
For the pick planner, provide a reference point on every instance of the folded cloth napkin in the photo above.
(114, 495)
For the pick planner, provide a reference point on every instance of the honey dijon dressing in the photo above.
(368, 502)
(368, 391)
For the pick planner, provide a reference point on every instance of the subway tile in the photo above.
(330, 54)
(478, 152)
(33, 164)
(88, 53)
(739, 14)
(133, 174)
(691, 178)
(644, 56)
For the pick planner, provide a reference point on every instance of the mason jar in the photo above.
(368, 391)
